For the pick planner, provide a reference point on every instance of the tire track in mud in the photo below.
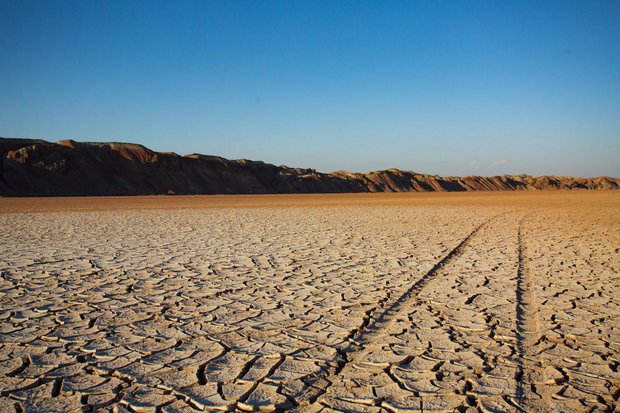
(369, 335)
(530, 375)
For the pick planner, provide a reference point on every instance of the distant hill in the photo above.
(30, 167)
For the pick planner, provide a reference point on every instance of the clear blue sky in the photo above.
(446, 87)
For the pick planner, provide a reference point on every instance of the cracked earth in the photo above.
(501, 304)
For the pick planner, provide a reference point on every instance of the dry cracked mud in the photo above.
(421, 304)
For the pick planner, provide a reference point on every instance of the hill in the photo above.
(33, 167)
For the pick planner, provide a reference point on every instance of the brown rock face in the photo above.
(31, 167)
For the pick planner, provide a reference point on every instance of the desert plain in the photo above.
(313, 303)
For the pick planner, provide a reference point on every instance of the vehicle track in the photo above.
(370, 334)
(530, 376)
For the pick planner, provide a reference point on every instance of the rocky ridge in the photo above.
(33, 167)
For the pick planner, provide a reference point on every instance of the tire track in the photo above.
(369, 335)
(530, 375)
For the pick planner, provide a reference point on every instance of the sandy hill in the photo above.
(32, 167)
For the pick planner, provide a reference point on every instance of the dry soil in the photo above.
(360, 303)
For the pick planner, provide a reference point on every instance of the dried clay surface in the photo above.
(311, 304)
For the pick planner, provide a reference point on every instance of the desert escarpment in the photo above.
(30, 167)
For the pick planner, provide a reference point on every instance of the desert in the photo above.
(427, 302)
(309, 206)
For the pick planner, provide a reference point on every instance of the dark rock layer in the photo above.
(31, 167)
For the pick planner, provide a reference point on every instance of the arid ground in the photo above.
(359, 303)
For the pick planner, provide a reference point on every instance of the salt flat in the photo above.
(360, 303)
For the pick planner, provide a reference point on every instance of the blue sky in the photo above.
(443, 87)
